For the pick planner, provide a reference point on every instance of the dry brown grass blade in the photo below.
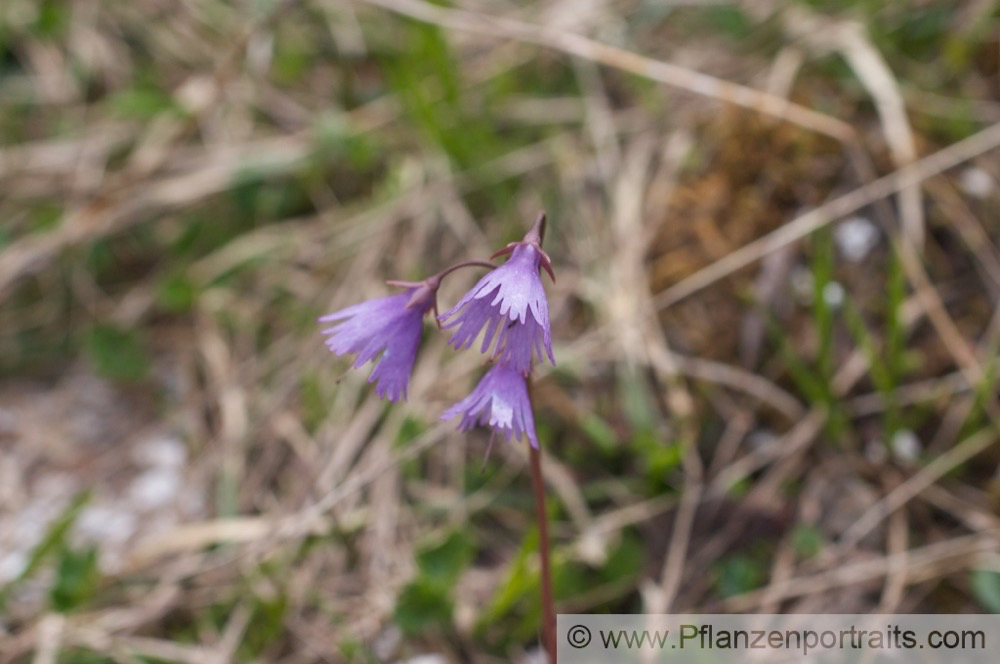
(744, 381)
(930, 561)
(897, 541)
(912, 487)
(59, 158)
(662, 598)
(798, 228)
(961, 350)
(595, 345)
(792, 443)
(910, 394)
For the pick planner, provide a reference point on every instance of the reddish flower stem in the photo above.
(448, 270)
(433, 281)
(428, 287)
(548, 604)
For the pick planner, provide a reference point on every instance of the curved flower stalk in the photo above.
(510, 303)
(500, 400)
(389, 325)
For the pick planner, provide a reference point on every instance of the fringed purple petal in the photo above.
(500, 401)
(521, 287)
(382, 326)
(381, 306)
(477, 314)
(357, 323)
(491, 329)
(501, 302)
(396, 364)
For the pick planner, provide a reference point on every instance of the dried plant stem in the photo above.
(548, 604)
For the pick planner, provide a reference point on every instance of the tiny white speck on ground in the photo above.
(156, 488)
(875, 451)
(592, 547)
(906, 445)
(535, 656)
(760, 438)
(802, 284)
(834, 294)
(855, 237)
(12, 564)
(425, 659)
(160, 451)
(107, 523)
(977, 182)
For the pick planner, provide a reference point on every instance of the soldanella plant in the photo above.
(509, 303)
(508, 307)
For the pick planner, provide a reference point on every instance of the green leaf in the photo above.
(314, 402)
(421, 605)
(599, 431)
(142, 103)
(444, 562)
(626, 560)
(986, 588)
(335, 141)
(266, 625)
(659, 457)
(53, 18)
(731, 20)
(116, 353)
(638, 403)
(177, 294)
(73, 656)
(46, 216)
(53, 541)
(409, 430)
(521, 580)
(739, 574)
(807, 541)
(76, 578)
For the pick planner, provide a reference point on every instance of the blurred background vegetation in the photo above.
(739, 420)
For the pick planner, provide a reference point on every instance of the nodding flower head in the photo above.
(510, 303)
(500, 401)
(389, 325)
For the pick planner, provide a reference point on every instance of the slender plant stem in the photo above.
(548, 605)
